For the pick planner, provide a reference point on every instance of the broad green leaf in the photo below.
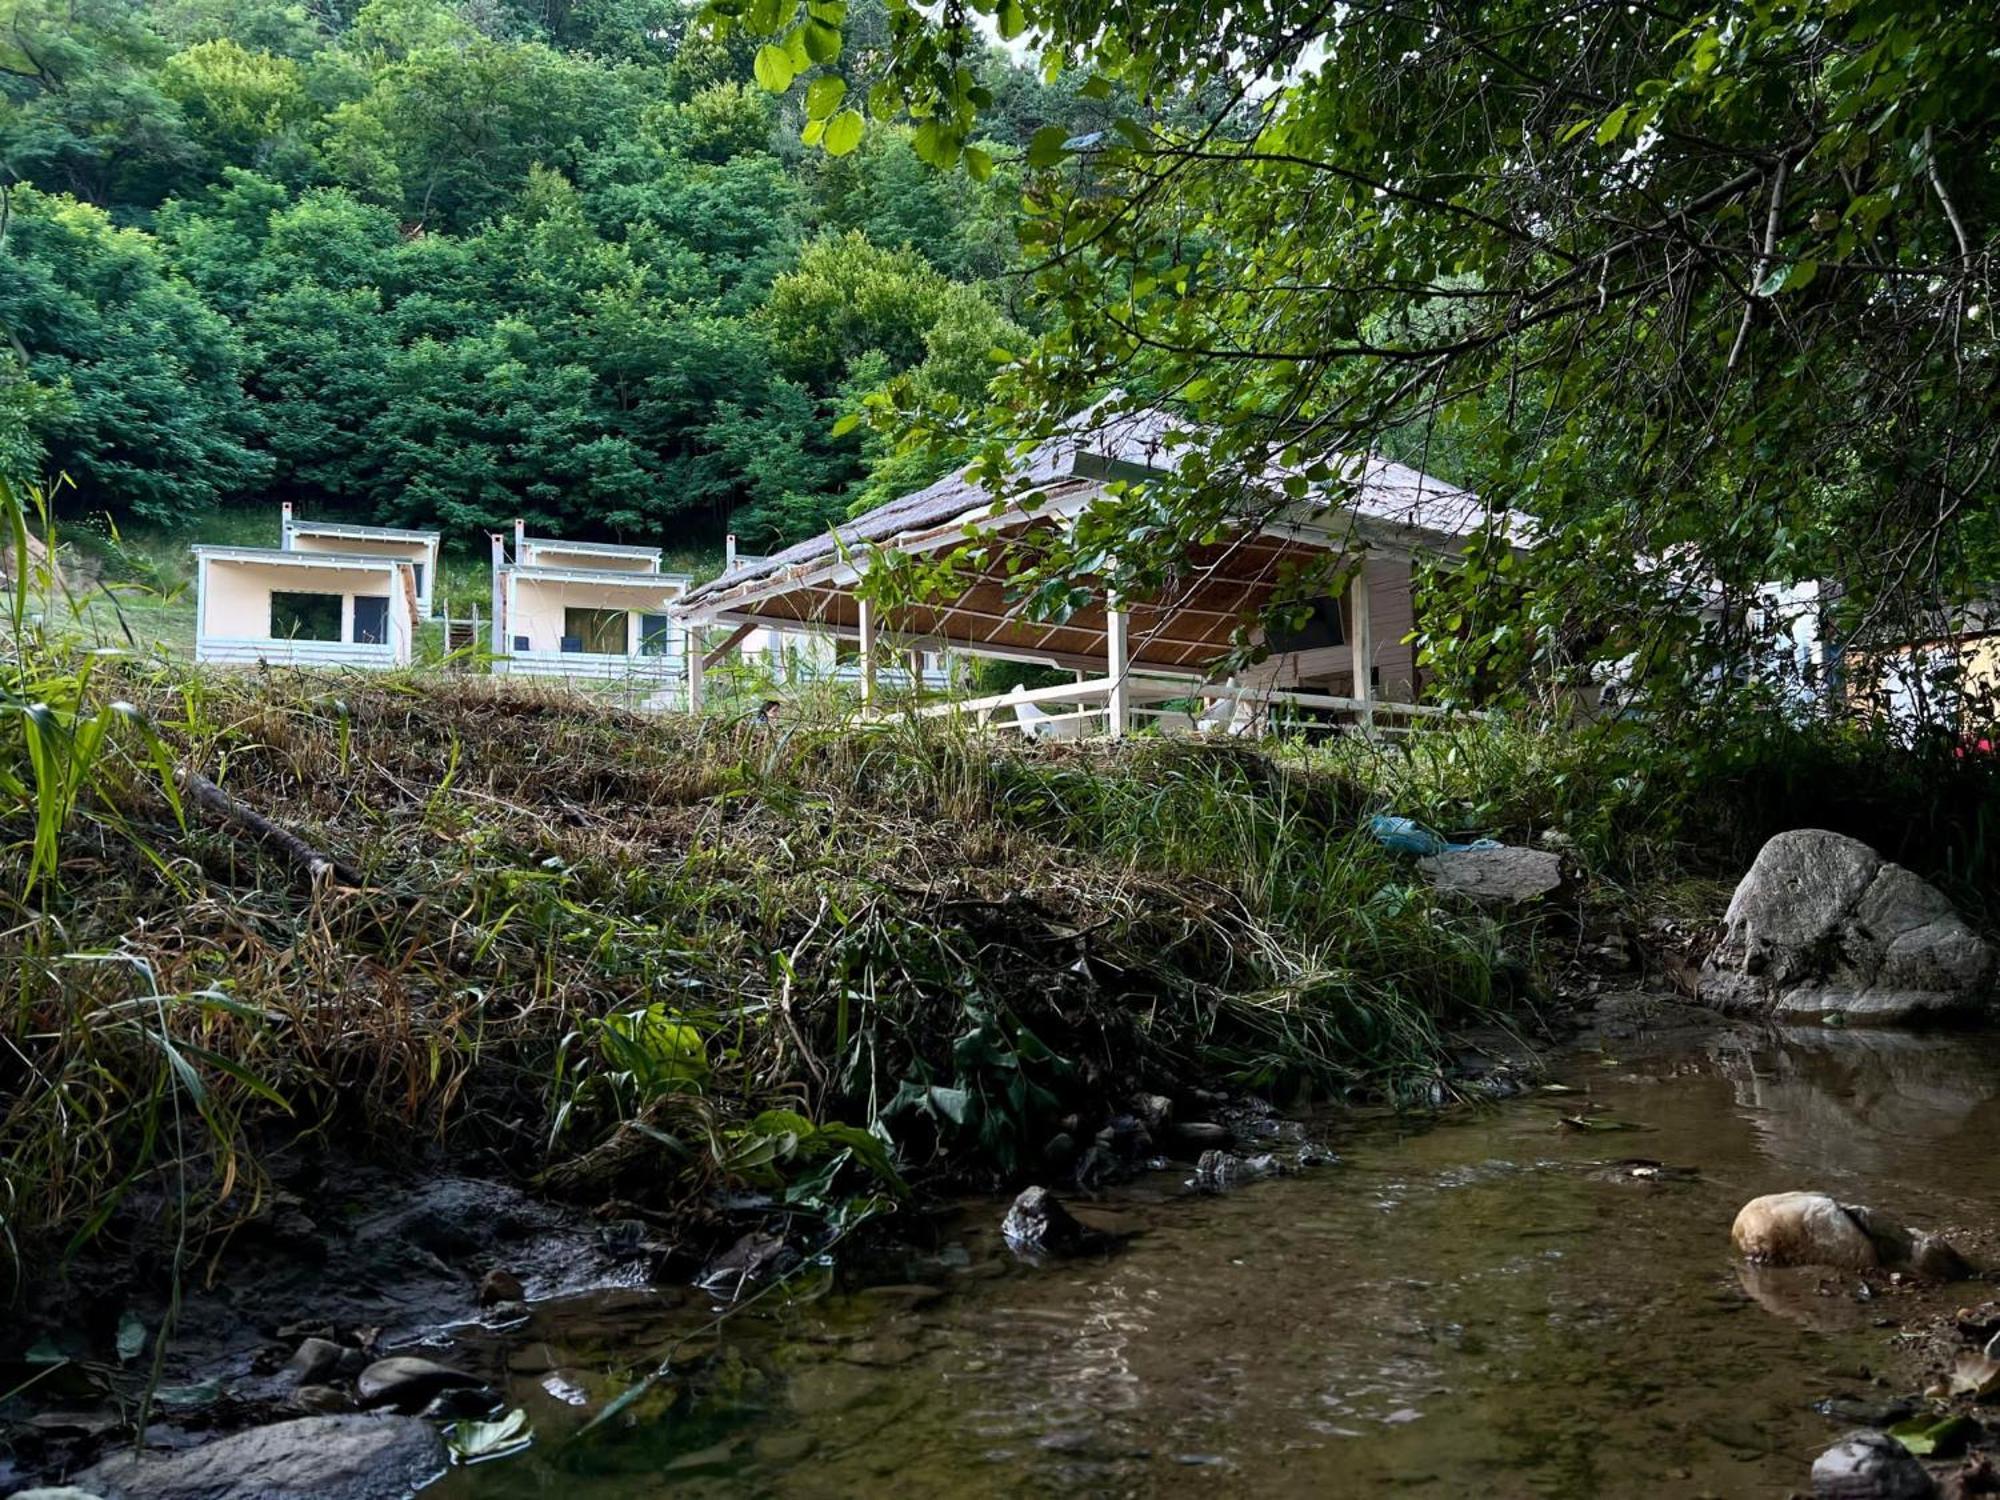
(822, 41)
(773, 68)
(844, 131)
(823, 95)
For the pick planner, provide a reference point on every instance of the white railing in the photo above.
(1216, 708)
(591, 666)
(233, 651)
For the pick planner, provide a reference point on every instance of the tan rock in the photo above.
(1802, 1229)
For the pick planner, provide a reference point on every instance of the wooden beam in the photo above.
(1363, 650)
(730, 643)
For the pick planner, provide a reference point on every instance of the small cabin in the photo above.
(417, 548)
(586, 612)
(307, 608)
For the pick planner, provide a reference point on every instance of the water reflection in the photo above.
(1480, 1305)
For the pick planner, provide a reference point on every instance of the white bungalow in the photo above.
(587, 612)
(270, 605)
(1173, 660)
(417, 548)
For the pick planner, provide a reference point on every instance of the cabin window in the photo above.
(656, 635)
(305, 617)
(599, 632)
(1310, 626)
(418, 569)
(371, 620)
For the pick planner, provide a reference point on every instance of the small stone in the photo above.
(1060, 1150)
(1505, 874)
(911, 1295)
(500, 1285)
(408, 1383)
(314, 1362)
(322, 1398)
(1039, 1224)
(1869, 1466)
(1153, 1110)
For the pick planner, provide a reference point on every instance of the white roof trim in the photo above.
(378, 533)
(372, 562)
(606, 549)
(658, 583)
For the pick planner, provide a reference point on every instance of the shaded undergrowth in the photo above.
(640, 955)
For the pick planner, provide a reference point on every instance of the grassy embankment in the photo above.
(639, 956)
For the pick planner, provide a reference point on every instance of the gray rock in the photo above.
(1869, 1466)
(59, 1492)
(314, 1363)
(312, 1458)
(1038, 1224)
(1201, 1133)
(1823, 926)
(1506, 875)
(408, 1383)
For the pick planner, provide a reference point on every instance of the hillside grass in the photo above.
(636, 957)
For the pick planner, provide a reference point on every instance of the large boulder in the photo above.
(1824, 926)
(1812, 1229)
(313, 1458)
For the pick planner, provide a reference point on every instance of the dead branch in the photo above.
(212, 799)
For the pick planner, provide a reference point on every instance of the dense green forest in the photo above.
(447, 263)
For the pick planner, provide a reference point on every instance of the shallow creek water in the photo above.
(1470, 1305)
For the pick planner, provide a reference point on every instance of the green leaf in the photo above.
(773, 68)
(823, 95)
(1096, 86)
(844, 132)
(1613, 124)
(979, 162)
(1045, 149)
(882, 101)
(822, 42)
(1011, 20)
(845, 425)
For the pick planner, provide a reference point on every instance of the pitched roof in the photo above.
(1093, 449)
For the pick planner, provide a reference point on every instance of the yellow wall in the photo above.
(236, 602)
(538, 605)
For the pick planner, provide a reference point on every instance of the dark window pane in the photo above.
(655, 635)
(1308, 627)
(305, 617)
(371, 620)
(418, 569)
(600, 632)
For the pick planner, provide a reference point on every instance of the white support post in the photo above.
(1363, 651)
(499, 644)
(867, 654)
(1117, 651)
(691, 651)
(285, 526)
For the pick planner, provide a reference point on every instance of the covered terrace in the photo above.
(1171, 659)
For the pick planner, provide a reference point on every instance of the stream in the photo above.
(1477, 1303)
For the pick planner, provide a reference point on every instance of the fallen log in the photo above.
(318, 865)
